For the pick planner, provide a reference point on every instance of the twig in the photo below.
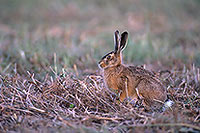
(76, 70)
(141, 116)
(12, 108)
(34, 81)
(100, 100)
(167, 125)
(95, 83)
(196, 119)
(1, 83)
(105, 118)
(66, 122)
(39, 110)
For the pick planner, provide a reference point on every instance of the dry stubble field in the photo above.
(49, 78)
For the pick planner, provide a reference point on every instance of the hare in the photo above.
(133, 82)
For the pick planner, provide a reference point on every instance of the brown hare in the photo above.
(133, 82)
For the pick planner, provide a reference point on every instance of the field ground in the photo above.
(49, 78)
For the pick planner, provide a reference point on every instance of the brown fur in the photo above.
(134, 82)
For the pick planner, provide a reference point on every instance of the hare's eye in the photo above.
(108, 57)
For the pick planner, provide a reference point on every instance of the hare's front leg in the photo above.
(122, 96)
(129, 93)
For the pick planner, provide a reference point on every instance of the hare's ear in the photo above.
(124, 39)
(116, 41)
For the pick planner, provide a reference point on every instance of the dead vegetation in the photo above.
(67, 103)
(73, 35)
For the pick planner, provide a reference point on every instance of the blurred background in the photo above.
(45, 35)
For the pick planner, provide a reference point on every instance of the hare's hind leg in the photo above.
(150, 94)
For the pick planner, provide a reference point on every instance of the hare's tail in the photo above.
(167, 105)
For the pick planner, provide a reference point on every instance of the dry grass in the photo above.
(73, 35)
(69, 103)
